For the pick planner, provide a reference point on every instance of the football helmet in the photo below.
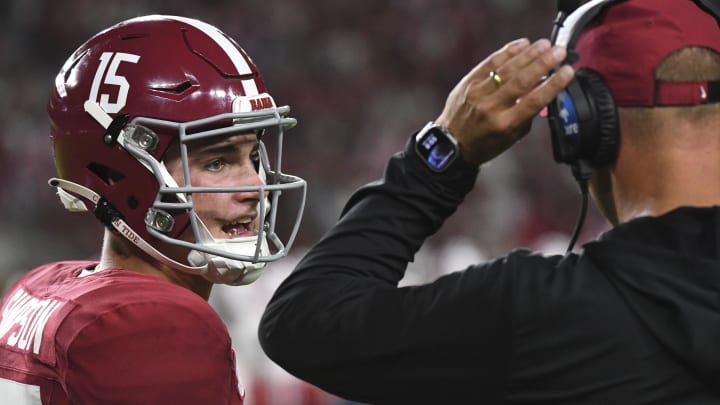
(145, 85)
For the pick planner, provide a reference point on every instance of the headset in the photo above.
(590, 132)
(583, 118)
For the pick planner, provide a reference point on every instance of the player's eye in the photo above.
(215, 165)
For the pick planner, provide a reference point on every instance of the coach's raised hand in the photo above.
(493, 105)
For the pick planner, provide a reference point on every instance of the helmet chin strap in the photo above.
(213, 268)
(72, 203)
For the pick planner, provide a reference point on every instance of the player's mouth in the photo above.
(240, 228)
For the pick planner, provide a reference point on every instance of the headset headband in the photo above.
(569, 30)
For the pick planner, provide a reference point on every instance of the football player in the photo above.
(163, 128)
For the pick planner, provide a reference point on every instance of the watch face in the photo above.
(436, 148)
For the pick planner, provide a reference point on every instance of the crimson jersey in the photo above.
(113, 337)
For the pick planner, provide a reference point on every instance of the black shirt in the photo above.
(634, 319)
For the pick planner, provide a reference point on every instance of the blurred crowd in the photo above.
(360, 77)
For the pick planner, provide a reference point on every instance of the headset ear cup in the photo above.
(599, 144)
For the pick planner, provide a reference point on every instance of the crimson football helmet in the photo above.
(128, 94)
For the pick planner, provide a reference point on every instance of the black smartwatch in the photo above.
(436, 147)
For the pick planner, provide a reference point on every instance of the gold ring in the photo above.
(496, 79)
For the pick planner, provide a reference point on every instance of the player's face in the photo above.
(229, 162)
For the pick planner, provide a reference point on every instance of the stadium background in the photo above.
(360, 76)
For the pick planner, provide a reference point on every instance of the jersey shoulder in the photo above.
(113, 303)
(115, 335)
(132, 303)
(121, 334)
(153, 340)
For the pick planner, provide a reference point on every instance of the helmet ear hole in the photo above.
(104, 173)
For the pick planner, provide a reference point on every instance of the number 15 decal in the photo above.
(105, 75)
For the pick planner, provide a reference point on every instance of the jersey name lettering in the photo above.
(29, 315)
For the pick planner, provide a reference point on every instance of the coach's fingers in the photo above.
(531, 90)
(509, 125)
(533, 102)
(489, 113)
(499, 58)
(518, 73)
(459, 113)
(526, 78)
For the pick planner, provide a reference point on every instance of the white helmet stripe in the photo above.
(250, 87)
(232, 52)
